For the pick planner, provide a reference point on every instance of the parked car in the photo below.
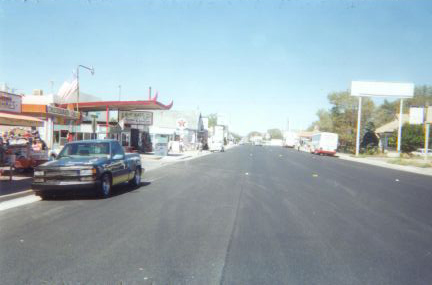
(93, 165)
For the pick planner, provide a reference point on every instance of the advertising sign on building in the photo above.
(182, 124)
(416, 115)
(62, 112)
(10, 102)
(136, 118)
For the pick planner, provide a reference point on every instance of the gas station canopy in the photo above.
(120, 105)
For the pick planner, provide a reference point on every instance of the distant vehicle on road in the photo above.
(87, 165)
(217, 141)
(276, 142)
(324, 143)
(257, 140)
(291, 139)
(217, 146)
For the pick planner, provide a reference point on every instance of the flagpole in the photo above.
(78, 91)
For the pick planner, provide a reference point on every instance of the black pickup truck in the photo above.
(87, 165)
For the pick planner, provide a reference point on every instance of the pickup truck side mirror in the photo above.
(118, 156)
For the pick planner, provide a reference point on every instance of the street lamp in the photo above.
(119, 87)
(77, 72)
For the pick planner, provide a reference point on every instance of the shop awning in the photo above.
(19, 120)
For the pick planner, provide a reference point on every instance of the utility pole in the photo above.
(119, 87)
(52, 86)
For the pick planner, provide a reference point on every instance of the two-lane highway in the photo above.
(251, 215)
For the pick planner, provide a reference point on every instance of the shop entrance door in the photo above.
(135, 138)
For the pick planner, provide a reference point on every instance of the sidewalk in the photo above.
(383, 162)
(18, 187)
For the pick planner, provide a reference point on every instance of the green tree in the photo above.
(344, 116)
(253, 133)
(212, 120)
(385, 113)
(412, 137)
(324, 122)
(275, 134)
(236, 137)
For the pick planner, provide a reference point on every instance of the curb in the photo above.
(12, 196)
(387, 165)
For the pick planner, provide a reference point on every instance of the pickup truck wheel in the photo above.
(105, 186)
(136, 180)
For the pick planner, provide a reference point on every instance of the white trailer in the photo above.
(217, 140)
(324, 143)
(291, 139)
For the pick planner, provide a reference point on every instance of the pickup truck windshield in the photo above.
(85, 149)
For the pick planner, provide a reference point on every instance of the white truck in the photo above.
(257, 140)
(324, 143)
(217, 140)
(291, 139)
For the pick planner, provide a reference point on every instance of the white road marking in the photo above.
(396, 180)
(18, 202)
(247, 173)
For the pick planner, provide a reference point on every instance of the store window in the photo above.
(87, 136)
(63, 137)
(79, 136)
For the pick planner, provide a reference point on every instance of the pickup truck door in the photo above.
(119, 169)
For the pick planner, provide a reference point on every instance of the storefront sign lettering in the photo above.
(136, 118)
(62, 112)
(10, 102)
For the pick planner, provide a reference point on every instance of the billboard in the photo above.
(10, 102)
(429, 115)
(205, 121)
(416, 115)
(136, 118)
(382, 89)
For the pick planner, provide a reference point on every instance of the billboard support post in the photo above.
(358, 126)
(400, 127)
(426, 148)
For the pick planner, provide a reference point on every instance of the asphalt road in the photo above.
(251, 215)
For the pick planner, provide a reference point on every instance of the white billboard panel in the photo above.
(429, 115)
(205, 121)
(416, 116)
(383, 89)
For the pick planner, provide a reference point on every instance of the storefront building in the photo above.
(127, 121)
(58, 122)
(178, 126)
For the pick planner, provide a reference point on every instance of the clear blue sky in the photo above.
(259, 61)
